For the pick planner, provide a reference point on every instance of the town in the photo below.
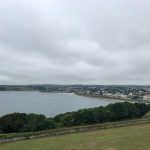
(122, 92)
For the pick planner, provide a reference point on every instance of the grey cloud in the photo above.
(67, 42)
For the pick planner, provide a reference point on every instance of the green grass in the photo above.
(147, 116)
(124, 138)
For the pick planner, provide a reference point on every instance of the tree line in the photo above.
(22, 122)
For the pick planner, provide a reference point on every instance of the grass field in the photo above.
(125, 138)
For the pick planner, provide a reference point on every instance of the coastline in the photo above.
(119, 99)
(109, 97)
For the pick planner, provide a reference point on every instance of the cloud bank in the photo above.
(74, 41)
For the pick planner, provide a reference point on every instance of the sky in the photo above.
(75, 42)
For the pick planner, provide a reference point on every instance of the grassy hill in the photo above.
(123, 138)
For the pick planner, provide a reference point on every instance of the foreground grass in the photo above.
(124, 138)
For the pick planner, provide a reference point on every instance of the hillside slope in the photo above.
(123, 138)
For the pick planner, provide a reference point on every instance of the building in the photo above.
(146, 97)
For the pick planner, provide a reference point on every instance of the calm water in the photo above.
(49, 104)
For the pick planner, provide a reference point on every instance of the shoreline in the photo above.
(111, 98)
(85, 95)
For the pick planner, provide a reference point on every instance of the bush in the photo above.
(21, 122)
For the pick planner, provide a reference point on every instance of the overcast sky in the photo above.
(75, 41)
